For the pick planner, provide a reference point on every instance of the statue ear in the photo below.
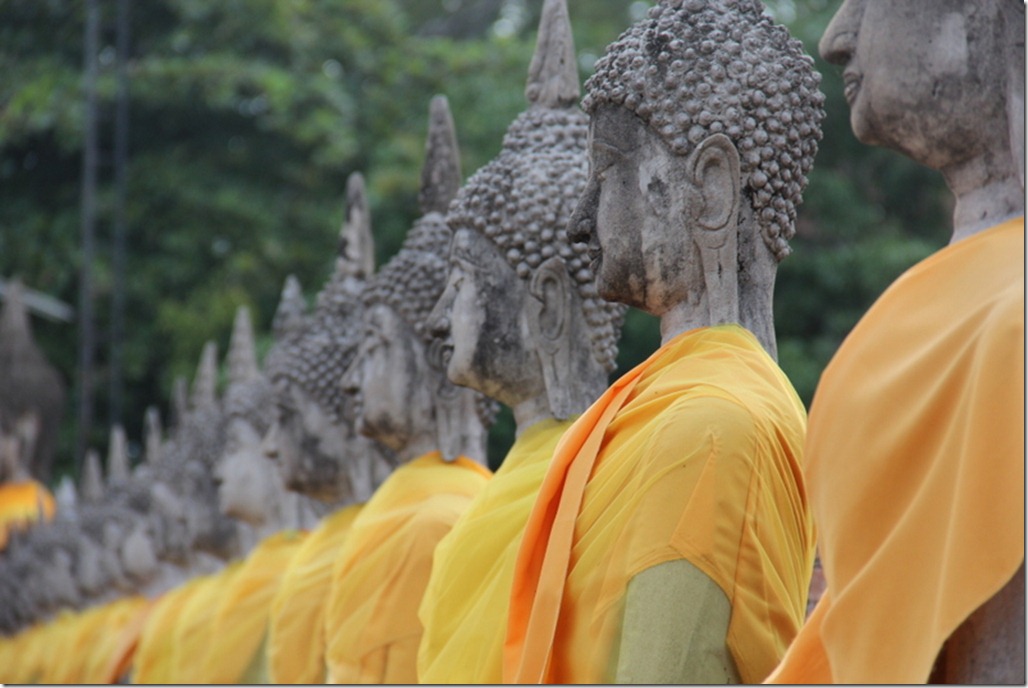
(715, 170)
(549, 322)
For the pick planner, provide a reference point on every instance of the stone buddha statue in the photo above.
(313, 438)
(639, 560)
(521, 322)
(932, 377)
(251, 487)
(437, 430)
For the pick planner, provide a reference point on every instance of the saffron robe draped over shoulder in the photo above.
(372, 627)
(695, 454)
(193, 632)
(241, 622)
(296, 633)
(154, 657)
(22, 503)
(916, 464)
(464, 610)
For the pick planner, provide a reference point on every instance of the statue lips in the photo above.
(851, 81)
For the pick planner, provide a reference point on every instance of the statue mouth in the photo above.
(851, 86)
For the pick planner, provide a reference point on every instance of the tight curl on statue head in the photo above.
(412, 282)
(522, 200)
(694, 68)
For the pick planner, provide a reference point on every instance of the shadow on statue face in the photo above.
(480, 317)
(246, 479)
(389, 381)
(307, 445)
(637, 214)
(917, 75)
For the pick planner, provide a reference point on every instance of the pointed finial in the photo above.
(152, 440)
(205, 383)
(440, 175)
(14, 319)
(291, 309)
(553, 74)
(92, 488)
(356, 243)
(179, 401)
(242, 351)
(65, 497)
(117, 455)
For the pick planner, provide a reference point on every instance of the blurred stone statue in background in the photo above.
(671, 540)
(522, 323)
(438, 431)
(930, 382)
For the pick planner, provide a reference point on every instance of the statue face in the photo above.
(481, 319)
(637, 214)
(138, 552)
(389, 381)
(920, 78)
(308, 446)
(247, 480)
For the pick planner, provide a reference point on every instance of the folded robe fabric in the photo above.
(241, 621)
(193, 633)
(296, 629)
(464, 610)
(117, 648)
(153, 662)
(694, 454)
(21, 504)
(915, 463)
(372, 628)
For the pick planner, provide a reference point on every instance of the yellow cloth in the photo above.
(153, 662)
(916, 465)
(193, 632)
(114, 659)
(242, 617)
(296, 629)
(19, 659)
(21, 504)
(372, 629)
(464, 610)
(695, 455)
(55, 666)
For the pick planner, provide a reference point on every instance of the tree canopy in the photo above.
(248, 115)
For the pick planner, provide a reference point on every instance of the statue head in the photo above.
(942, 83)
(313, 439)
(705, 118)
(521, 315)
(250, 487)
(398, 381)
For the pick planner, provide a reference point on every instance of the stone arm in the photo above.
(674, 629)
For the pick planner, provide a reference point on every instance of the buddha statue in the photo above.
(676, 496)
(313, 438)
(521, 322)
(23, 500)
(251, 487)
(436, 429)
(931, 380)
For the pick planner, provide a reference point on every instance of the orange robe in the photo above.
(694, 455)
(372, 627)
(916, 465)
(194, 629)
(154, 659)
(241, 622)
(21, 504)
(464, 610)
(296, 629)
(118, 646)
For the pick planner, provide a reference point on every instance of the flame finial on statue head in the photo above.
(204, 392)
(553, 74)
(92, 489)
(356, 243)
(117, 455)
(152, 429)
(291, 309)
(440, 175)
(242, 352)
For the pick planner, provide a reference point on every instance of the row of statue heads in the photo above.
(697, 130)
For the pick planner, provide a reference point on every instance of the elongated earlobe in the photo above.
(716, 173)
(548, 321)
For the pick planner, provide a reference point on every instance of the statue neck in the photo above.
(419, 445)
(986, 194)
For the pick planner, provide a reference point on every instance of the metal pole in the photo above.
(87, 335)
(121, 128)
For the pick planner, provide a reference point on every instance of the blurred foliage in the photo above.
(247, 116)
